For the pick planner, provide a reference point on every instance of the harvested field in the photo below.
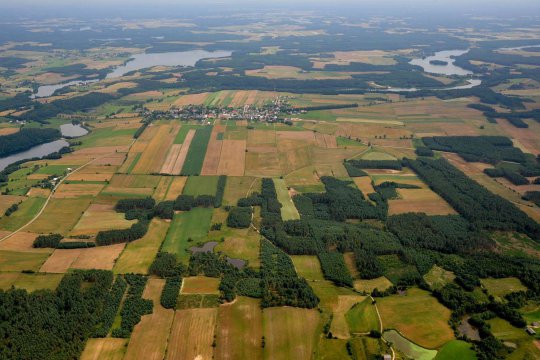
(213, 152)
(38, 192)
(239, 330)
(100, 257)
(326, 141)
(100, 217)
(60, 260)
(134, 185)
(171, 158)
(7, 200)
(200, 285)
(139, 254)
(150, 336)
(104, 349)
(162, 188)
(529, 137)
(191, 99)
(288, 338)
(94, 173)
(232, 161)
(419, 200)
(181, 158)
(66, 191)
(308, 267)
(60, 216)
(339, 326)
(176, 188)
(426, 325)
(156, 152)
(364, 184)
(192, 334)
(21, 241)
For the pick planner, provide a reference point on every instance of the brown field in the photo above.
(66, 191)
(115, 159)
(104, 349)
(191, 99)
(176, 188)
(68, 210)
(162, 188)
(260, 137)
(179, 163)
(7, 131)
(239, 330)
(100, 217)
(232, 161)
(350, 262)
(286, 336)
(364, 184)
(262, 164)
(529, 138)
(213, 152)
(200, 285)
(99, 257)
(60, 260)
(155, 153)
(21, 241)
(192, 334)
(326, 141)
(95, 172)
(131, 156)
(7, 200)
(419, 200)
(132, 184)
(149, 338)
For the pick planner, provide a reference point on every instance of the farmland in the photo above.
(293, 183)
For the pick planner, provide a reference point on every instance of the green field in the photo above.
(362, 317)
(407, 347)
(367, 348)
(456, 349)
(181, 136)
(27, 210)
(288, 210)
(197, 151)
(503, 286)
(308, 267)
(201, 185)
(437, 277)
(19, 261)
(186, 230)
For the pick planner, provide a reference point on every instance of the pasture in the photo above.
(200, 185)
(503, 286)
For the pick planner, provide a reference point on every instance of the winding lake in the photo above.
(36, 151)
(179, 58)
(48, 90)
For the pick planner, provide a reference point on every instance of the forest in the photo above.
(26, 138)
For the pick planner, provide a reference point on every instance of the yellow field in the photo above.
(139, 254)
(419, 200)
(155, 153)
(100, 217)
(100, 257)
(368, 286)
(241, 244)
(339, 326)
(150, 335)
(60, 216)
(192, 334)
(503, 286)
(176, 188)
(308, 267)
(200, 285)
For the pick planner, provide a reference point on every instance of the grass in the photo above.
(320, 115)
(308, 267)
(288, 210)
(503, 286)
(362, 317)
(456, 349)
(105, 348)
(330, 349)
(239, 330)
(30, 282)
(368, 348)
(19, 261)
(197, 151)
(426, 325)
(194, 225)
(407, 347)
(194, 301)
(139, 254)
(240, 244)
(290, 333)
(201, 185)
(27, 210)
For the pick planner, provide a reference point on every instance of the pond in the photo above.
(206, 247)
(72, 131)
(179, 58)
(36, 151)
(48, 90)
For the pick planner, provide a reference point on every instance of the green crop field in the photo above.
(456, 349)
(362, 317)
(197, 151)
(288, 210)
(186, 230)
(201, 185)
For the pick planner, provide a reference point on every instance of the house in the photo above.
(530, 331)
(387, 357)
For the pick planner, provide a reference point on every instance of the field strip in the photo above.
(183, 152)
(53, 191)
(172, 156)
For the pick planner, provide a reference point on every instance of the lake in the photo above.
(48, 90)
(36, 151)
(179, 58)
(446, 56)
(71, 130)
